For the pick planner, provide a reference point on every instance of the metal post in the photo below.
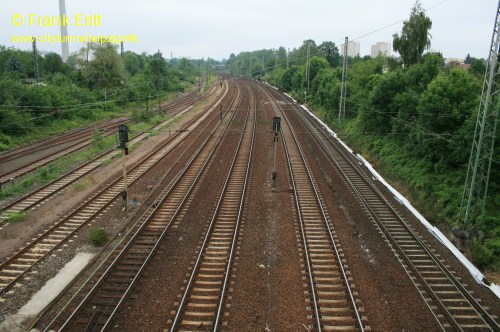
(158, 82)
(307, 69)
(262, 65)
(124, 192)
(123, 139)
(479, 167)
(276, 129)
(343, 88)
(35, 61)
(288, 58)
(106, 99)
(274, 173)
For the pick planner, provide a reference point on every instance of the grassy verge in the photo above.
(15, 217)
(62, 165)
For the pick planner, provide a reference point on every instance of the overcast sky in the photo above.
(217, 28)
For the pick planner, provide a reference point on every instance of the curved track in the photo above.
(96, 311)
(26, 159)
(40, 195)
(20, 263)
(449, 301)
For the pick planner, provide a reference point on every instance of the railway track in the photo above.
(96, 311)
(331, 296)
(63, 145)
(41, 195)
(75, 144)
(201, 304)
(16, 266)
(453, 306)
(55, 141)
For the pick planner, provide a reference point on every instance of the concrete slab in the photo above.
(46, 294)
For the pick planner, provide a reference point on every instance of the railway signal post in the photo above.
(276, 129)
(123, 140)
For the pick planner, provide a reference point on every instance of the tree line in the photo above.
(413, 116)
(41, 94)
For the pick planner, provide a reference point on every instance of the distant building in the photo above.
(447, 61)
(381, 48)
(352, 49)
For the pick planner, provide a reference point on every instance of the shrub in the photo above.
(98, 237)
(481, 254)
(16, 217)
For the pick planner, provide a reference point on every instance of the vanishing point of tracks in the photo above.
(204, 302)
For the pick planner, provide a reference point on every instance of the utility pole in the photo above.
(276, 130)
(473, 204)
(343, 88)
(288, 58)
(307, 69)
(158, 81)
(275, 60)
(121, 49)
(262, 74)
(106, 99)
(208, 69)
(35, 61)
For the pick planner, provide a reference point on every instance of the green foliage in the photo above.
(13, 64)
(97, 138)
(106, 69)
(416, 124)
(72, 94)
(415, 37)
(98, 237)
(16, 217)
(481, 254)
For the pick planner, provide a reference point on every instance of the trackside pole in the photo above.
(123, 139)
(276, 129)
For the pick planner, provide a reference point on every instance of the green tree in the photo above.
(415, 37)
(53, 63)
(444, 107)
(106, 68)
(14, 65)
(330, 52)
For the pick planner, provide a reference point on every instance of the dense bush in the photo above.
(416, 124)
(98, 237)
(94, 83)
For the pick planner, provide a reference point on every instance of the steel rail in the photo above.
(487, 318)
(207, 237)
(325, 219)
(130, 242)
(72, 176)
(89, 201)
